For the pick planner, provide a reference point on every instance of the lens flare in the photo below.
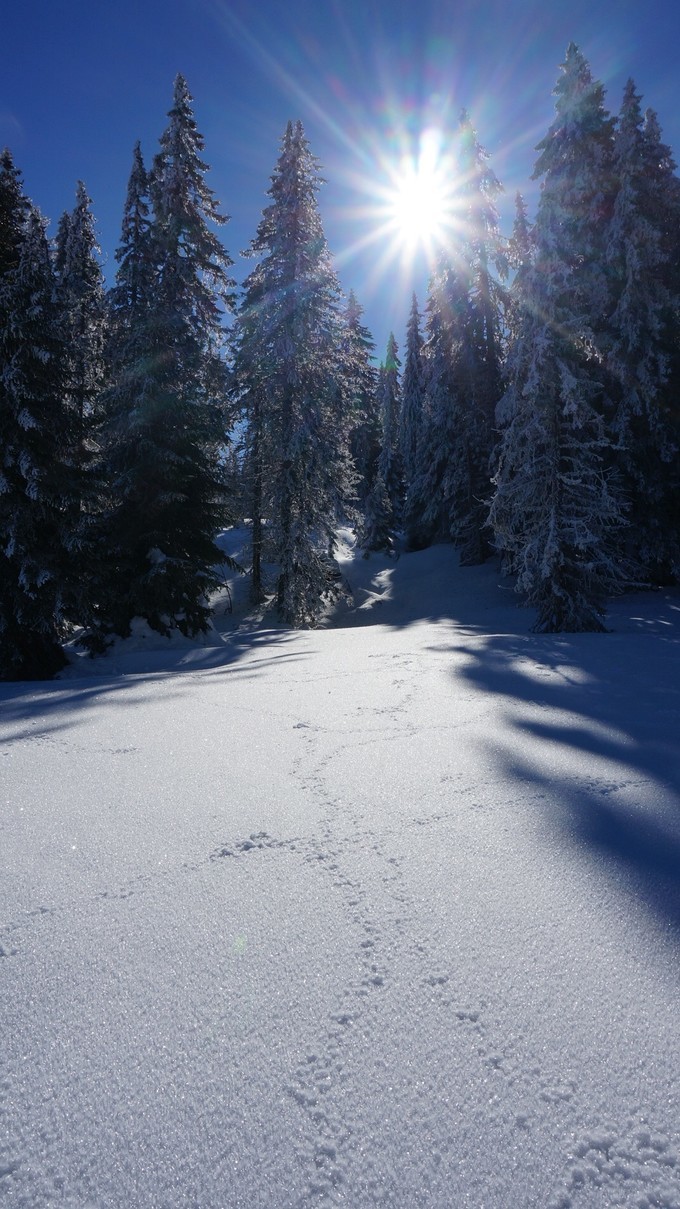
(420, 199)
(413, 207)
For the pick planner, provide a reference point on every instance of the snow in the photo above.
(386, 913)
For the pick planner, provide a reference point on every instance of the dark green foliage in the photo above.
(377, 534)
(429, 500)
(643, 339)
(556, 512)
(362, 397)
(35, 485)
(82, 316)
(384, 505)
(462, 371)
(412, 392)
(166, 412)
(289, 366)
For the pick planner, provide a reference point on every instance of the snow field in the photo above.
(381, 915)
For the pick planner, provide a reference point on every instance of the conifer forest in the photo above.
(530, 412)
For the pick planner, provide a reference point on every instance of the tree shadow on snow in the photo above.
(49, 707)
(594, 727)
(427, 585)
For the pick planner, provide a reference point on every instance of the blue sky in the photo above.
(82, 81)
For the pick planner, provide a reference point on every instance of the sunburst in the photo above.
(420, 197)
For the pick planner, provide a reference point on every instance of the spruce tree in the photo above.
(128, 453)
(80, 292)
(290, 328)
(462, 359)
(520, 259)
(365, 421)
(35, 483)
(555, 513)
(412, 387)
(384, 505)
(15, 208)
(643, 349)
(477, 366)
(377, 531)
(82, 306)
(167, 402)
(428, 505)
(250, 389)
(390, 461)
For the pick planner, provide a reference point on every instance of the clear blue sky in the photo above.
(83, 79)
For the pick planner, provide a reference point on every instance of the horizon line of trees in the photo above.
(536, 414)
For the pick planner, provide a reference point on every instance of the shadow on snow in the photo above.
(48, 707)
(597, 725)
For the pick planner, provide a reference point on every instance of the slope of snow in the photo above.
(385, 914)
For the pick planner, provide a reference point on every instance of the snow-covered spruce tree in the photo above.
(15, 208)
(129, 385)
(428, 506)
(82, 305)
(377, 532)
(477, 364)
(358, 347)
(166, 399)
(643, 350)
(35, 482)
(250, 384)
(290, 329)
(80, 293)
(555, 513)
(520, 259)
(384, 505)
(462, 359)
(389, 461)
(412, 390)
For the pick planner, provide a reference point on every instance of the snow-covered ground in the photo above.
(386, 913)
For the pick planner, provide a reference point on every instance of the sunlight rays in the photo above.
(419, 201)
(409, 206)
(400, 196)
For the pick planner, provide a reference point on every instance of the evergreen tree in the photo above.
(384, 505)
(251, 371)
(377, 533)
(34, 480)
(128, 444)
(131, 297)
(389, 461)
(15, 208)
(80, 292)
(429, 502)
(167, 397)
(358, 347)
(290, 334)
(520, 259)
(462, 358)
(478, 356)
(412, 395)
(555, 513)
(481, 250)
(643, 352)
(82, 306)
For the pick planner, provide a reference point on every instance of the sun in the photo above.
(420, 199)
(409, 208)
(418, 210)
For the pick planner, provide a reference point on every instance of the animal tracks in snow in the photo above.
(257, 841)
(634, 1168)
(381, 927)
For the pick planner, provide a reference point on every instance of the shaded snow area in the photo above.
(383, 914)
